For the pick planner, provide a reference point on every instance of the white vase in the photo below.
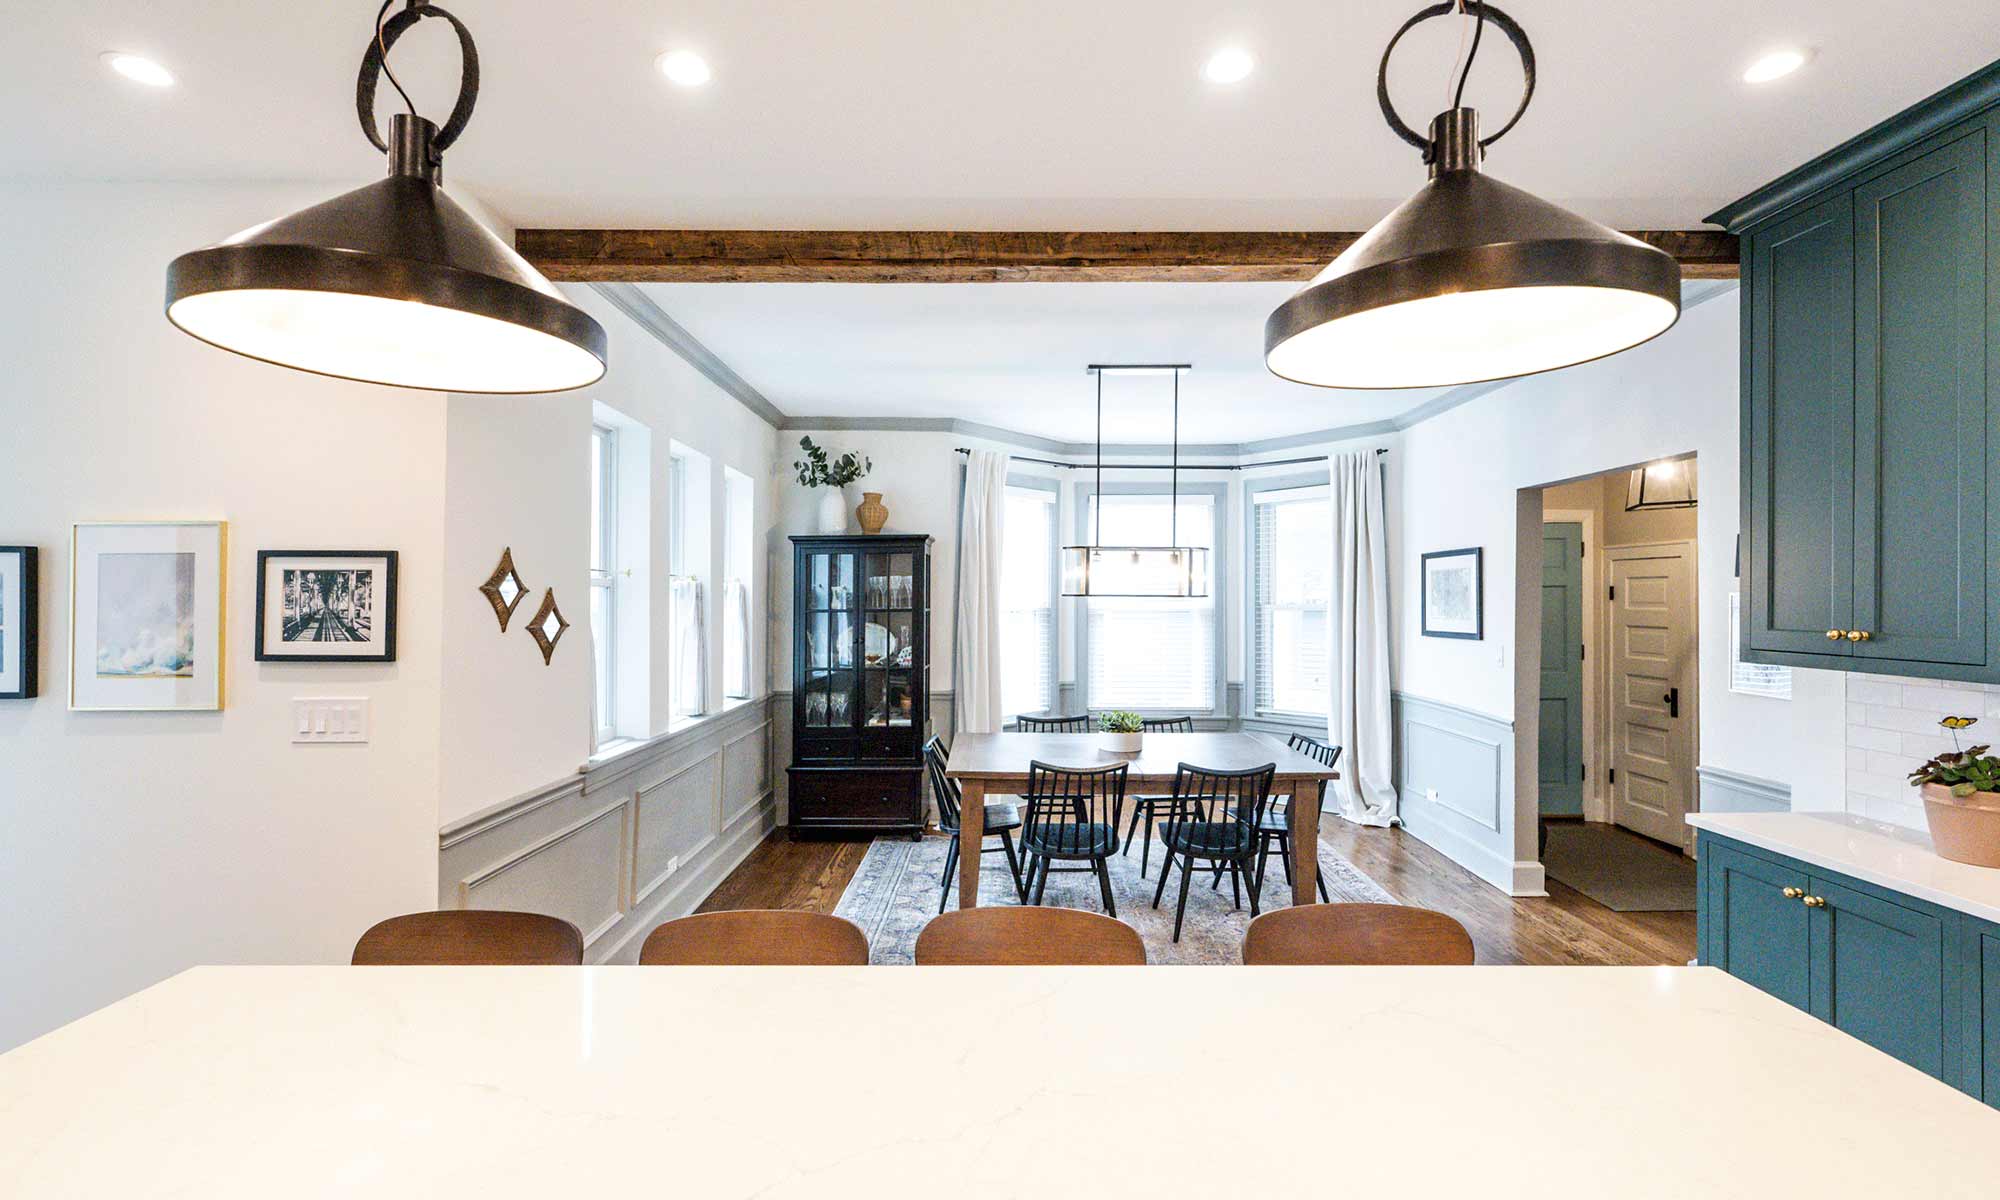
(832, 511)
(1121, 743)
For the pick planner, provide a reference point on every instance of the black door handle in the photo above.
(1673, 699)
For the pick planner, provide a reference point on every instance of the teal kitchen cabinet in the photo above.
(1893, 971)
(1871, 399)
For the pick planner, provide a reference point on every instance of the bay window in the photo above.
(1146, 653)
(1291, 555)
(1027, 601)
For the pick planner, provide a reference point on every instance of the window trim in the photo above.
(1253, 488)
(1221, 577)
(749, 578)
(1043, 483)
(605, 726)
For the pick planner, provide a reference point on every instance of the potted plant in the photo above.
(1122, 731)
(1962, 800)
(817, 470)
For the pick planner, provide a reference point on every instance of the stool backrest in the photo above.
(470, 937)
(1028, 937)
(1358, 935)
(756, 938)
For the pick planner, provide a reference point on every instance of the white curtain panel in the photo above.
(976, 680)
(1358, 715)
(690, 645)
(736, 637)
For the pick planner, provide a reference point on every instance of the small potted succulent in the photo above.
(1962, 800)
(817, 470)
(1122, 731)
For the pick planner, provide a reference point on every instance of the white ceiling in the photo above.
(977, 113)
(1013, 355)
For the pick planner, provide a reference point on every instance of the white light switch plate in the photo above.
(327, 720)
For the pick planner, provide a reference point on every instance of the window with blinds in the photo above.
(1291, 586)
(1027, 602)
(1147, 653)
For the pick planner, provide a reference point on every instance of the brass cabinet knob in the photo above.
(1794, 893)
(1815, 901)
(1857, 635)
(1834, 635)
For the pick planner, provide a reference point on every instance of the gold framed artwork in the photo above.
(147, 615)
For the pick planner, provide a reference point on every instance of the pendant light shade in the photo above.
(1470, 279)
(391, 283)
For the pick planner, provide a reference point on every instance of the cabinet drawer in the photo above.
(887, 798)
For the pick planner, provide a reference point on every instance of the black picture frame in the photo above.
(1478, 557)
(386, 606)
(28, 590)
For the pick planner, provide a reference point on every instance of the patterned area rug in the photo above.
(895, 893)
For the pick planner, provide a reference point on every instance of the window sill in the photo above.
(615, 748)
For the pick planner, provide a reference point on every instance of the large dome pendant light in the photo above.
(1470, 279)
(1171, 571)
(391, 283)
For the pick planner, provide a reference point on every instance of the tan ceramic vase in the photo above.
(871, 514)
(1964, 828)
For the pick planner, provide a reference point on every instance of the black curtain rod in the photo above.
(1282, 462)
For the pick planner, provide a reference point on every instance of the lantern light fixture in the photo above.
(1172, 571)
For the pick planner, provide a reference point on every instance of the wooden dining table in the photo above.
(993, 764)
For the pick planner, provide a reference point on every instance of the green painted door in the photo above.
(1561, 747)
(1878, 973)
(1751, 929)
(1798, 432)
(1920, 535)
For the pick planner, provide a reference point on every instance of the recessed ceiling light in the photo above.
(1776, 65)
(684, 67)
(1231, 64)
(137, 69)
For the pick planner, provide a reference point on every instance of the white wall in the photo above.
(1462, 471)
(135, 845)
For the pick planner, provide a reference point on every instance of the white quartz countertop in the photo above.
(1886, 855)
(551, 1083)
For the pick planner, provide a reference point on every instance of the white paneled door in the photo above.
(1653, 688)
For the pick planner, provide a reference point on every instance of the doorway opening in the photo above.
(1619, 701)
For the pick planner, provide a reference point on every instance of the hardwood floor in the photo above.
(1567, 928)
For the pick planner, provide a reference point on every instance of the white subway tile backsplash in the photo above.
(1892, 727)
(1864, 737)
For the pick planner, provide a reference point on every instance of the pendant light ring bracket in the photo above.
(371, 74)
(1500, 21)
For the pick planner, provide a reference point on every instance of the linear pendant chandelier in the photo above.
(1171, 571)
(1470, 279)
(391, 283)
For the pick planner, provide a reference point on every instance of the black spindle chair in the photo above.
(1072, 816)
(1077, 724)
(1275, 830)
(1214, 816)
(1147, 808)
(1001, 820)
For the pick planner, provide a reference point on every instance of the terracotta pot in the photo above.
(832, 511)
(1964, 828)
(871, 514)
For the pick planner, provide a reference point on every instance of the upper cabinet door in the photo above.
(1798, 416)
(1920, 420)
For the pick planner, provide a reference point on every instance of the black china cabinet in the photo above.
(860, 682)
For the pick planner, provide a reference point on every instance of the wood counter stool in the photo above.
(756, 938)
(470, 937)
(1028, 937)
(1356, 935)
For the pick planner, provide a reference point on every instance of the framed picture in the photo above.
(146, 615)
(1455, 594)
(19, 608)
(326, 606)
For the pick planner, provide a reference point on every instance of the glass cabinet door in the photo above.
(889, 595)
(830, 630)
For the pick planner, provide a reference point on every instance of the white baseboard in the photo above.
(1506, 875)
(687, 888)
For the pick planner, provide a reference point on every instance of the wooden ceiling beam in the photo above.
(944, 256)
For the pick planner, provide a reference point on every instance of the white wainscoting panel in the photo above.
(595, 848)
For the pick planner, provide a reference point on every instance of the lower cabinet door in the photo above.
(1878, 973)
(857, 799)
(1985, 976)
(1756, 932)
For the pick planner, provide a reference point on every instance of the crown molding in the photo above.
(634, 303)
